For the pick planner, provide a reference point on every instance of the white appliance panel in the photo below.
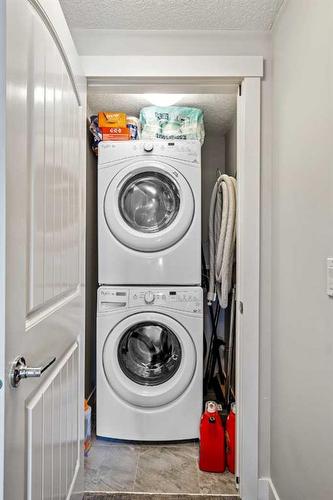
(136, 407)
(149, 213)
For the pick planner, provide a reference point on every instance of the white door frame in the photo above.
(2, 236)
(217, 74)
(248, 286)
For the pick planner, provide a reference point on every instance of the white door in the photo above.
(42, 266)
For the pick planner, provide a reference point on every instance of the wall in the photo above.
(302, 313)
(213, 158)
(231, 149)
(91, 268)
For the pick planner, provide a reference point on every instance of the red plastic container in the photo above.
(212, 440)
(230, 433)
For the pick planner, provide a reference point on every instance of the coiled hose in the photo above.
(222, 239)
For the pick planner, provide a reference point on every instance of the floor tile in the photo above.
(167, 470)
(211, 483)
(154, 469)
(157, 496)
(111, 468)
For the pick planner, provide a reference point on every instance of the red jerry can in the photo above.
(230, 432)
(212, 445)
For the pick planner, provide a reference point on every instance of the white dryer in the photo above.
(149, 363)
(149, 213)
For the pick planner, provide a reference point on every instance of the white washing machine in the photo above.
(149, 213)
(149, 363)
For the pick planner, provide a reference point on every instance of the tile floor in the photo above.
(151, 468)
(155, 496)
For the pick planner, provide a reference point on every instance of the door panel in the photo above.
(45, 198)
(53, 216)
(54, 407)
(35, 152)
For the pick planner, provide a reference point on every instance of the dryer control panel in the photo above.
(182, 299)
(188, 151)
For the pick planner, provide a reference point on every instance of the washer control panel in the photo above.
(111, 299)
(182, 299)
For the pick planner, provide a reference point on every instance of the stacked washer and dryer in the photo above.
(150, 305)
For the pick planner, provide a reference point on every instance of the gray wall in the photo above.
(91, 269)
(231, 149)
(302, 313)
(213, 158)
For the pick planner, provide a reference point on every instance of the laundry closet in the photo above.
(160, 332)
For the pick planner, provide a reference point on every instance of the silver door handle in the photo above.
(20, 370)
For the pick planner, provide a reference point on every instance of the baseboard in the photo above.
(266, 489)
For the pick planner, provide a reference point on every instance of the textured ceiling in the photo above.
(219, 109)
(252, 15)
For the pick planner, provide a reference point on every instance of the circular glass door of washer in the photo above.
(149, 353)
(149, 208)
(149, 359)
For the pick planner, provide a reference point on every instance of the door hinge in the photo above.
(237, 482)
(240, 90)
(241, 307)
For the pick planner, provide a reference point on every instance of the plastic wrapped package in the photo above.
(95, 132)
(172, 122)
(133, 124)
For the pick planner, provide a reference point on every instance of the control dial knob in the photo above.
(149, 297)
(148, 147)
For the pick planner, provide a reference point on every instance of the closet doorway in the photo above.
(240, 76)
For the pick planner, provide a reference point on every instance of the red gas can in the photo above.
(230, 430)
(212, 452)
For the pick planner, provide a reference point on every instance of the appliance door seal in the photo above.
(149, 359)
(149, 206)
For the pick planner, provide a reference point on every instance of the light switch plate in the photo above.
(330, 276)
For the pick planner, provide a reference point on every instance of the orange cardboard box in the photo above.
(112, 119)
(115, 133)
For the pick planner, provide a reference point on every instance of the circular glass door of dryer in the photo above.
(149, 202)
(149, 359)
(149, 206)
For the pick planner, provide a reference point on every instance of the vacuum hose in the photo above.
(222, 239)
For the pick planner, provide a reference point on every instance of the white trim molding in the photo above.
(173, 66)
(184, 85)
(266, 489)
(3, 131)
(248, 285)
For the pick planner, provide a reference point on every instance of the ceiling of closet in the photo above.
(219, 109)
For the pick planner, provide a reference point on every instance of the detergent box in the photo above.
(113, 126)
